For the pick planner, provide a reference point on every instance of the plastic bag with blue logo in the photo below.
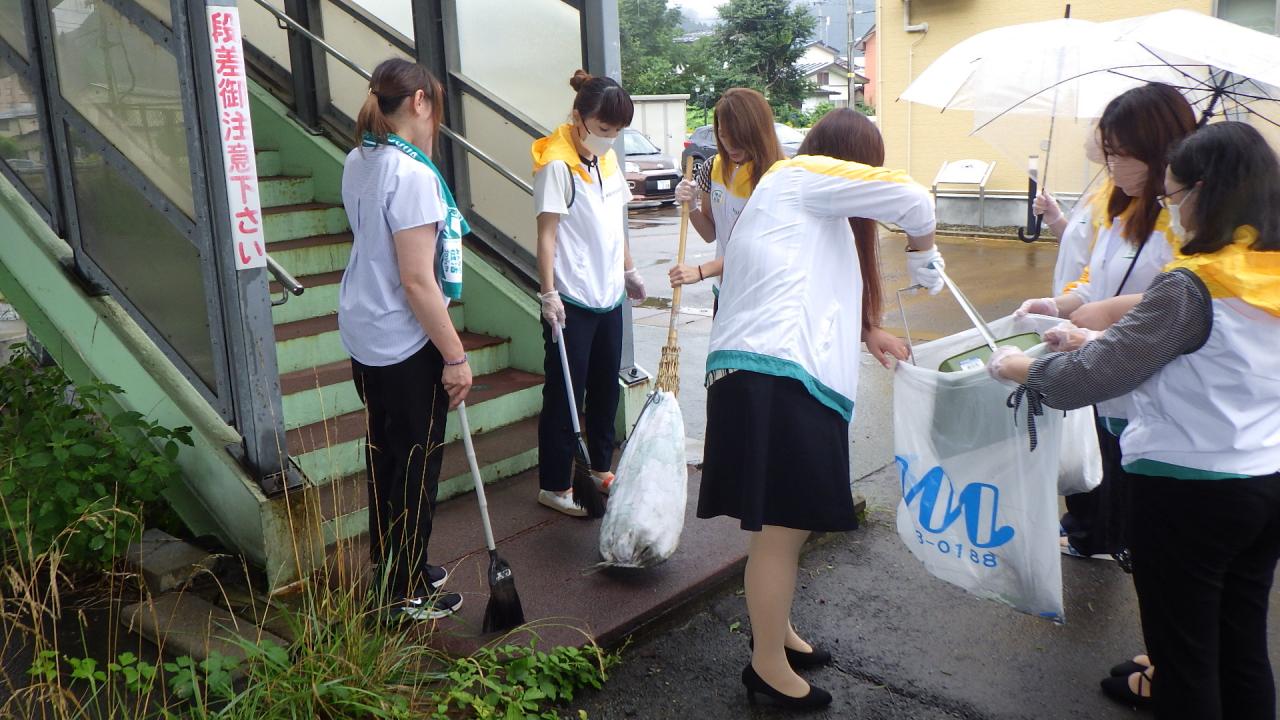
(645, 516)
(979, 507)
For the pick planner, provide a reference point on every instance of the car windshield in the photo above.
(638, 144)
(788, 135)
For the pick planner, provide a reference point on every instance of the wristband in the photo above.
(455, 363)
(700, 278)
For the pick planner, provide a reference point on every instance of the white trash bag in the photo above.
(979, 508)
(1081, 466)
(645, 515)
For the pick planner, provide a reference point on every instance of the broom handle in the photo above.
(568, 389)
(684, 236)
(475, 475)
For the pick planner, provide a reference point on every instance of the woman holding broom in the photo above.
(580, 196)
(801, 293)
(746, 147)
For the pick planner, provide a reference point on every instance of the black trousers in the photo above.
(1204, 556)
(1097, 521)
(594, 345)
(406, 406)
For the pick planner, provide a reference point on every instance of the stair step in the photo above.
(344, 455)
(501, 453)
(315, 342)
(269, 162)
(321, 298)
(314, 255)
(282, 190)
(313, 395)
(291, 222)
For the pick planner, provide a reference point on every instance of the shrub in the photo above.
(71, 474)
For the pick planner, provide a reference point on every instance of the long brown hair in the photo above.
(395, 81)
(846, 134)
(1144, 123)
(745, 116)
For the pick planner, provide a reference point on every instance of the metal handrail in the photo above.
(286, 280)
(484, 157)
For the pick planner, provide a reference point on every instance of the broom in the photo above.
(669, 363)
(504, 610)
(585, 493)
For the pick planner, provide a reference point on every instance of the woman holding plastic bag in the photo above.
(1202, 445)
(746, 147)
(1138, 128)
(801, 293)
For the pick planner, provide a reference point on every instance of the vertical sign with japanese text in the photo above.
(238, 161)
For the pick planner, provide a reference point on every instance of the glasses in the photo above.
(1165, 199)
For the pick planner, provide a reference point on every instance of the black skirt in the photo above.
(774, 455)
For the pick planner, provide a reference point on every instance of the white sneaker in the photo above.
(561, 501)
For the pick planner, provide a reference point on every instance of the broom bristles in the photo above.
(585, 493)
(669, 370)
(504, 610)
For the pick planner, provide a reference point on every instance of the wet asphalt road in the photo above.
(907, 645)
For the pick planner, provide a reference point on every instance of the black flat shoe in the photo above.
(804, 660)
(1117, 688)
(1127, 668)
(816, 697)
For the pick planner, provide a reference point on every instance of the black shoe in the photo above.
(802, 660)
(1127, 668)
(1117, 688)
(436, 576)
(430, 608)
(815, 699)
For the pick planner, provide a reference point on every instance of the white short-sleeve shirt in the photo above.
(384, 191)
(590, 239)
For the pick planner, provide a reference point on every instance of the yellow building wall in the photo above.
(919, 138)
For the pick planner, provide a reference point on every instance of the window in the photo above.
(1260, 15)
(22, 133)
(824, 78)
(636, 143)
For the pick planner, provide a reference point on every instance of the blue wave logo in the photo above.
(938, 506)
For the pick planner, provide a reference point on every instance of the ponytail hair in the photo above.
(601, 98)
(395, 81)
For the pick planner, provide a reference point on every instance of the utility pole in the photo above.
(848, 56)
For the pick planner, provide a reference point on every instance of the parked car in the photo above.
(651, 175)
(702, 143)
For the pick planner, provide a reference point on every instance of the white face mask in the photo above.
(596, 144)
(1175, 217)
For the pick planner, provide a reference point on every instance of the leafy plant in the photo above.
(519, 682)
(69, 472)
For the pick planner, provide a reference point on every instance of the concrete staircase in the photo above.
(323, 415)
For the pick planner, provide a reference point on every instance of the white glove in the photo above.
(1067, 337)
(687, 192)
(998, 363)
(918, 269)
(552, 308)
(1037, 306)
(635, 285)
(1048, 207)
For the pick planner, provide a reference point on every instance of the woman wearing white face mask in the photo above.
(1197, 355)
(580, 196)
(1137, 128)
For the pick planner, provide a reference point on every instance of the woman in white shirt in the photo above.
(801, 294)
(746, 147)
(407, 361)
(1139, 128)
(584, 265)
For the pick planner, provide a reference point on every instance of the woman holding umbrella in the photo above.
(783, 368)
(1202, 446)
(746, 147)
(1138, 128)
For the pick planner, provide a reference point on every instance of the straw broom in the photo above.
(669, 364)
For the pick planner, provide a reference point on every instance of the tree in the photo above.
(758, 43)
(650, 53)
